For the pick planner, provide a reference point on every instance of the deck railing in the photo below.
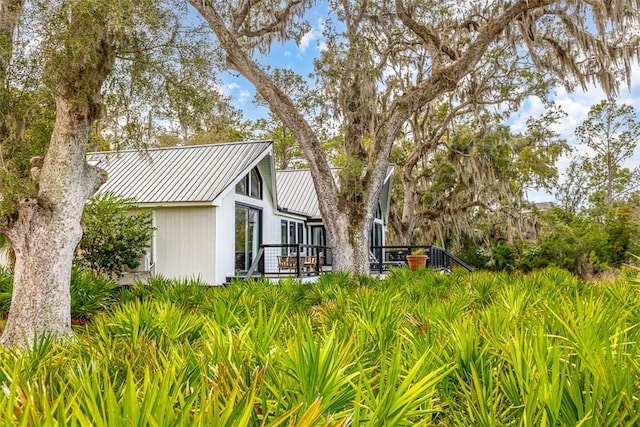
(291, 260)
(301, 260)
(383, 257)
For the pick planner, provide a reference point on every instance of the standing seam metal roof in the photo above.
(178, 174)
(297, 194)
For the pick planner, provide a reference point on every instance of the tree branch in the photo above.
(278, 19)
(426, 34)
(279, 102)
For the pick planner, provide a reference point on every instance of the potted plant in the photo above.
(417, 259)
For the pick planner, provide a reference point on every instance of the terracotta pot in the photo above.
(416, 261)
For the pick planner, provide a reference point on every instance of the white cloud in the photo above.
(531, 107)
(315, 33)
(233, 86)
(306, 40)
(244, 96)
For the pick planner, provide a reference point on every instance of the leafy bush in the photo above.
(115, 234)
(6, 290)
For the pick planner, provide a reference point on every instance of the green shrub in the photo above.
(116, 234)
(6, 289)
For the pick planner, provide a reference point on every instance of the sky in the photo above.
(576, 104)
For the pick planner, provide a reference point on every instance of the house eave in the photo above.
(174, 204)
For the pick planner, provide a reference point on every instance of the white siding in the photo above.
(185, 243)
(225, 238)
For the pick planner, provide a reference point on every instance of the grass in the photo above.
(417, 348)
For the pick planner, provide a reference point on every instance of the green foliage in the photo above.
(115, 234)
(500, 256)
(582, 243)
(472, 179)
(418, 348)
(34, 109)
(6, 289)
(90, 293)
(188, 293)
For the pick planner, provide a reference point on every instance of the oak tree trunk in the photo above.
(48, 230)
(350, 242)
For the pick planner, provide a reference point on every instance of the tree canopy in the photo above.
(611, 134)
(371, 47)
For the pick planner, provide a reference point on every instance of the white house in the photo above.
(214, 205)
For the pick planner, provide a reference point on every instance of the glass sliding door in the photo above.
(248, 232)
(318, 238)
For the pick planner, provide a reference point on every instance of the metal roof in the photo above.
(178, 174)
(296, 192)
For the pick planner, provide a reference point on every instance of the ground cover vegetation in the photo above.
(416, 348)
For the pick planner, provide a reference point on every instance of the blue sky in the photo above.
(576, 104)
(297, 57)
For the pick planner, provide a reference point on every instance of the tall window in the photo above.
(251, 185)
(377, 229)
(291, 233)
(248, 222)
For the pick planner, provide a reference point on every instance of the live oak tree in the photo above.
(46, 226)
(166, 93)
(477, 176)
(580, 42)
(481, 100)
(487, 95)
(77, 44)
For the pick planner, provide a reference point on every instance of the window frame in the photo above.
(246, 185)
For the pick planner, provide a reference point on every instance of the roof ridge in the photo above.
(180, 147)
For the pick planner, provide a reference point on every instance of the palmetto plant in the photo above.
(413, 349)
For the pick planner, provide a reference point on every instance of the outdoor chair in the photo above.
(287, 263)
(309, 263)
(374, 263)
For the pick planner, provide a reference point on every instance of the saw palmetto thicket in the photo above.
(416, 348)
